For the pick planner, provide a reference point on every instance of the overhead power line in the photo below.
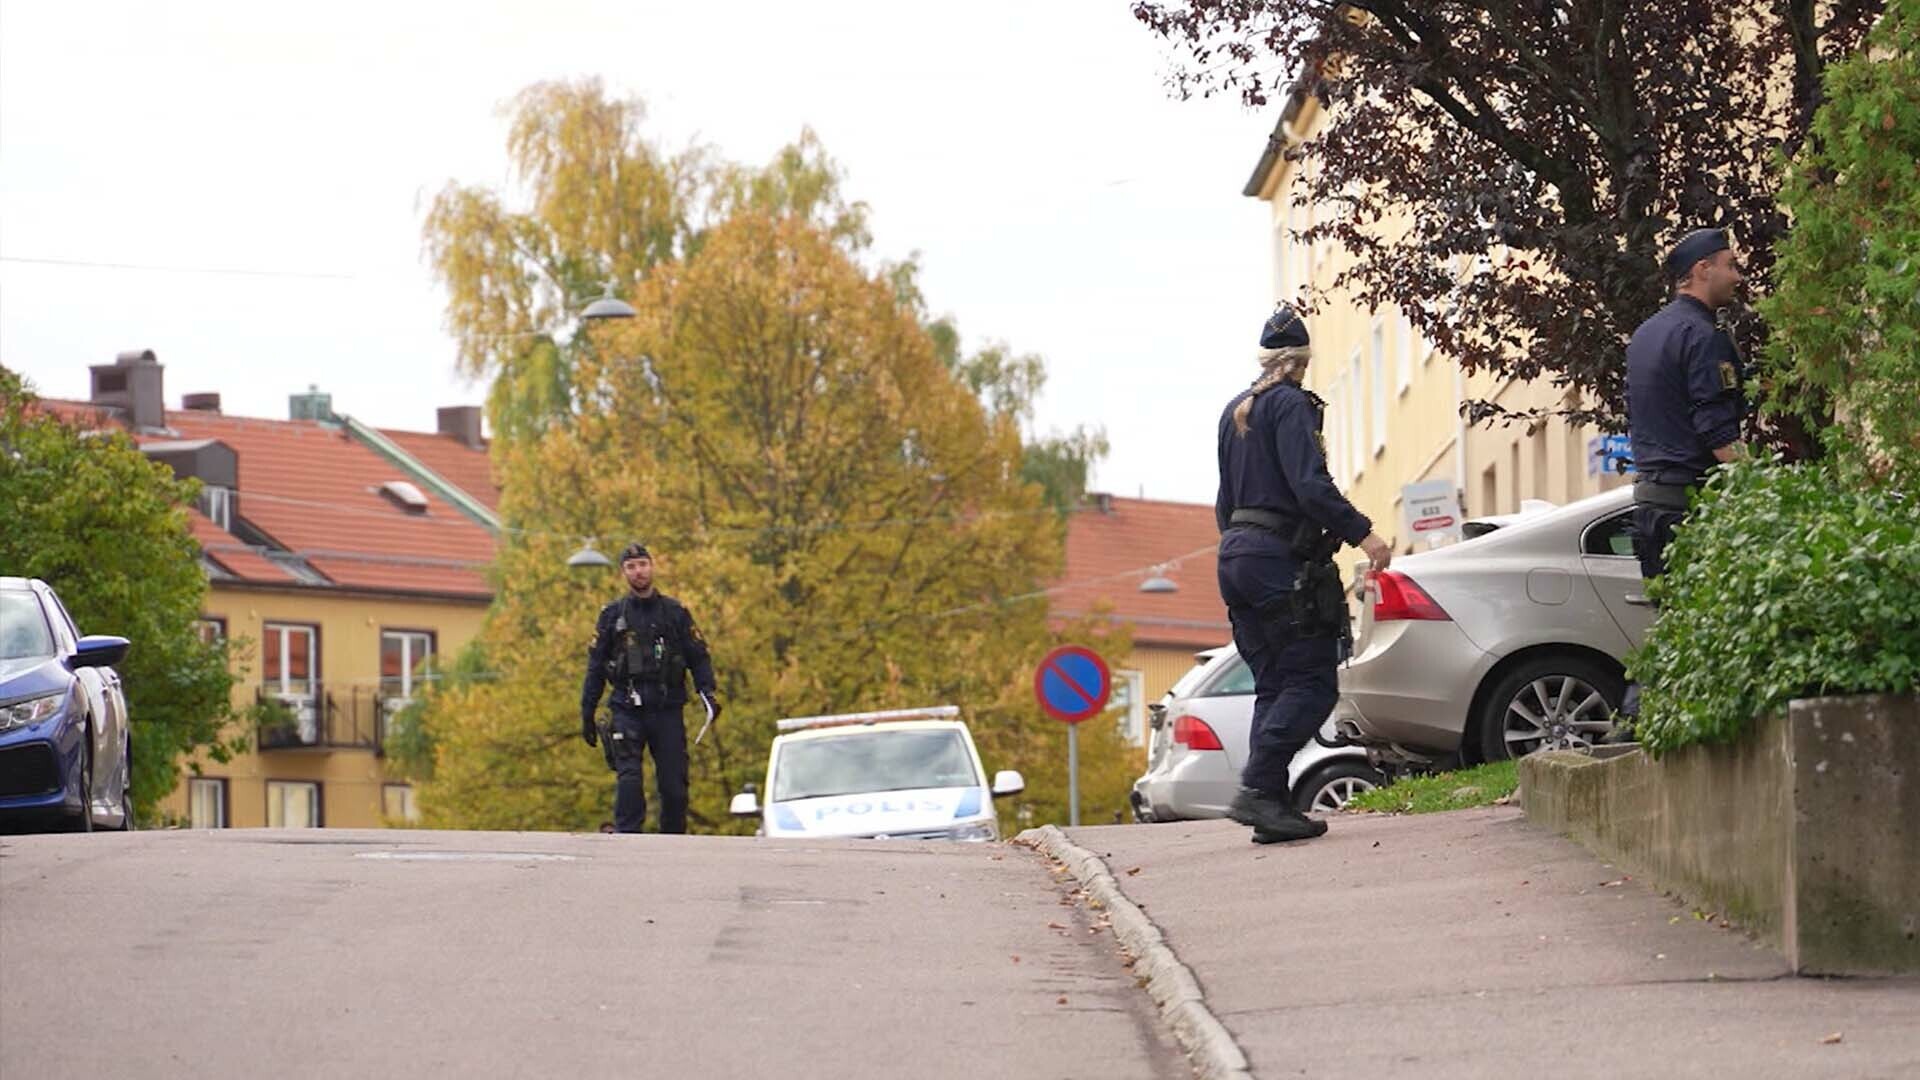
(157, 268)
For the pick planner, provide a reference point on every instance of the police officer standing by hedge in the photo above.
(1281, 519)
(1684, 400)
(645, 645)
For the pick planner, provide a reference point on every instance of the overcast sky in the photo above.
(1060, 200)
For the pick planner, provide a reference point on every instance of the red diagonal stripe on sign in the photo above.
(1086, 698)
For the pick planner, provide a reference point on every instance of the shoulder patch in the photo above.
(1729, 377)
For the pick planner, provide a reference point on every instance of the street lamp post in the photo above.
(605, 306)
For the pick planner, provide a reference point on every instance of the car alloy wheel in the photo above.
(1333, 786)
(1557, 712)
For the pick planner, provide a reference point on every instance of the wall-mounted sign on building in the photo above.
(1430, 512)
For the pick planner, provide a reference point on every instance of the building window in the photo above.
(404, 655)
(210, 628)
(1489, 490)
(217, 503)
(290, 671)
(1357, 426)
(1513, 476)
(1379, 387)
(1334, 433)
(397, 804)
(1403, 366)
(293, 804)
(207, 802)
(1129, 701)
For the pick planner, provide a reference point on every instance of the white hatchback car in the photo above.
(1200, 744)
(906, 774)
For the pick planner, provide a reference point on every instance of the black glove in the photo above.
(712, 698)
(588, 731)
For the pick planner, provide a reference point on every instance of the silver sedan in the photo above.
(1501, 644)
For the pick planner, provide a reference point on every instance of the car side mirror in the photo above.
(745, 804)
(99, 650)
(1007, 782)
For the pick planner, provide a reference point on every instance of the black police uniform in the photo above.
(1684, 400)
(1277, 509)
(645, 647)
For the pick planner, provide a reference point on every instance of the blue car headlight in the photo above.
(30, 711)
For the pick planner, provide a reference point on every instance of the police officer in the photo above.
(645, 645)
(1684, 401)
(1281, 519)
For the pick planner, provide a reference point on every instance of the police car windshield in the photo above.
(23, 629)
(867, 761)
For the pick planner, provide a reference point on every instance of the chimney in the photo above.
(132, 384)
(312, 405)
(463, 423)
(1102, 501)
(200, 402)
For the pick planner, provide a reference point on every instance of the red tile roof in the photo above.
(315, 491)
(1111, 551)
(469, 470)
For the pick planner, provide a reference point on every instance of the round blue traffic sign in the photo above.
(1072, 683)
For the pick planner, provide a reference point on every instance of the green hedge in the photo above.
(1784, 582)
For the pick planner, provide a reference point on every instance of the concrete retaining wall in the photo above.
(1807, 831)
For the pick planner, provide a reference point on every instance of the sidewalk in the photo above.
(1473, 944)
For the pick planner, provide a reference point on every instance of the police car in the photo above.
(905, 774)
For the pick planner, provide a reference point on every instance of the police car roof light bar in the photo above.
(933, 712)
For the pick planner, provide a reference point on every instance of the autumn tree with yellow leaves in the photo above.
(827, 484)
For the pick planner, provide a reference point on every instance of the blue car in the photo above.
(64, 745)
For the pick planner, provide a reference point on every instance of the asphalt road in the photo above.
(1474, 944)
(293, 954)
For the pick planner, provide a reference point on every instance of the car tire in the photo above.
(126, 788)
(1328, 788)
(83, 821)
(1555, 699)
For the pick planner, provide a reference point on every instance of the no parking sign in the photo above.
(1072, 684)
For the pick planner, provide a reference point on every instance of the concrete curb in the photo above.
(1209, 1046)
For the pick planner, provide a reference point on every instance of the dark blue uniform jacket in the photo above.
(1683, 392)
(1280, 465)
(657, 616)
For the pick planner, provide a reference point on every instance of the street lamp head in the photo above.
(608, 306)
(588, 559)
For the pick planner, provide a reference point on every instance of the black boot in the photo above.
(1300, 828)
(1262, 811)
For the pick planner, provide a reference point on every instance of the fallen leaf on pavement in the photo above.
(1133, 871)
(1055, 926)
(1016, 959)
(1062, 1001)
(1614, 884)
(1831, 1039)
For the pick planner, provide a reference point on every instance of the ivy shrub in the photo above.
(1783, 583)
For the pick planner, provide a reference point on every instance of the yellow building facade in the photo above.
(343, 666)
(1394, 402)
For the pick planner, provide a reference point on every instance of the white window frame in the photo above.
(1334, 435)
(410, 804)
(1404, 363)
(408, 660)
(217, 503)
(216, 790)
(1356, 421)
(279, 791)
(305, 704)
(1133, 707)
(1377, 384)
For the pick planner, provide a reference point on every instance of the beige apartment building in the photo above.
(1393, 416)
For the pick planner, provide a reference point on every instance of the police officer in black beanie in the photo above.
(645, 645)
(1684, 398)
(1281, 519)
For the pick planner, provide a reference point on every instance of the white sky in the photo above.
(1060, 200)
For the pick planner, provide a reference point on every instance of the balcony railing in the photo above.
(321, 719)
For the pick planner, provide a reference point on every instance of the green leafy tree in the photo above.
(837, 501)
(89, 513)
(1846, 313)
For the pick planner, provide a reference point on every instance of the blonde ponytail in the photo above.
(1276, 366)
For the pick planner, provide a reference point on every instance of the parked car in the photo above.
(1501, 644)
(905, 774)
(1199, 745)
(65, 752)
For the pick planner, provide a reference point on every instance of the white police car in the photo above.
(907, 774)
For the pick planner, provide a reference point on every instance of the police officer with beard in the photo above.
(644, 646)
(1281, 519)
(1684, 399)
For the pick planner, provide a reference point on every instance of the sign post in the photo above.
(1072, 684)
